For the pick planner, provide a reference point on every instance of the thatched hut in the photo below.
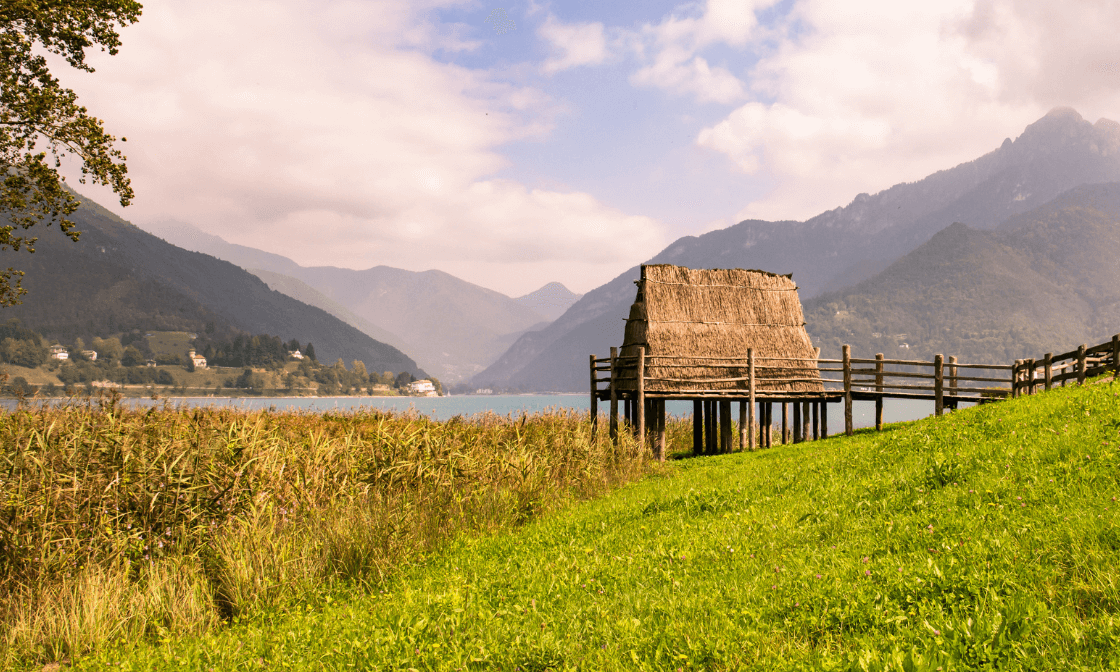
(698, 324)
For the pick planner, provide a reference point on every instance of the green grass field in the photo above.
(986, 539)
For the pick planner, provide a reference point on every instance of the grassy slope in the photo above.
(985, 538)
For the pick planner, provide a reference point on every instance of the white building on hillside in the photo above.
(59, 352)
(422, 388)
(198, 360)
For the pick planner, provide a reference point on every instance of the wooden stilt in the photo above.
(797, 438)
(594, 401)
(769, 424)
(806, 415)
(709, 427)
(697, 427)
(750, 400)
(613, 422)
(744, 440)
(660, 415)
(824, 419)
(640, 400)
(785, 423)
(816, 420)
(726, 431)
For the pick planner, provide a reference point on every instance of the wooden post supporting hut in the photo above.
(715, 337)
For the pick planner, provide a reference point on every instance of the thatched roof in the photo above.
(697, 316)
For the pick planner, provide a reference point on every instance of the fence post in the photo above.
(1030, 364)
(1015, 378)
(847, 389)
(1081, 365)
(750, 402)
(953, 382)
(1047, 376)
(594, 401)
(1116, 356)
(614, 396)
(640, 402)
(879, 390)
(938, 385)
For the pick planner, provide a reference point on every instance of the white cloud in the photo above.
(676, 41)
(868, 94)
(683, 73)
(328, 134)
(576, 44)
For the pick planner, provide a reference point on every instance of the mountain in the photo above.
(1044, 280)
(119, 278)
(838, 248)
(452, 327)
(550, 301)
(301, 291)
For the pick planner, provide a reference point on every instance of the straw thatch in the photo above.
(686, 317)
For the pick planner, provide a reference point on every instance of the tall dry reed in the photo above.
(117, 524)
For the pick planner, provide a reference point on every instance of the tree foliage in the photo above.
(41, 122)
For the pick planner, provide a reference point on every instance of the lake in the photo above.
(442, 408)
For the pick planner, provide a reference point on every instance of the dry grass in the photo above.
(123, 524)
(694, 315)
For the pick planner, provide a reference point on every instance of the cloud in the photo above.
(859, 96)
(575, 44)
(676, 42)
(330, 135)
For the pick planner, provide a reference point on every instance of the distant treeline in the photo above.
(128, 359)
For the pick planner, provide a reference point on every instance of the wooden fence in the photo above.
(759, 381)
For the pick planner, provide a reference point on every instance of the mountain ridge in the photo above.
(837, 248)
(119, 277)
(452, 327)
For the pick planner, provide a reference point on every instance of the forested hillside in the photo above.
(1046, 280)
(119, 278)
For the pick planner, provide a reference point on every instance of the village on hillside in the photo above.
(167, 364)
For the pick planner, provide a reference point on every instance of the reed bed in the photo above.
(120, 524)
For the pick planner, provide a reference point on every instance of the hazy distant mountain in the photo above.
(452, 327)
(1045, 280)
(550, 301)
(838, 248)
(118, 278)
(301, 291)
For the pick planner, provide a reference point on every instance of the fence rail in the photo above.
(756, 380)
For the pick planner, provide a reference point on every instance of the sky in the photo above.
(516, 143)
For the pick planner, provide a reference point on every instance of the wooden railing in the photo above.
(1077, 365)
(752, 379)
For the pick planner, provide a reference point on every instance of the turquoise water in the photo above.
(442, 408)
